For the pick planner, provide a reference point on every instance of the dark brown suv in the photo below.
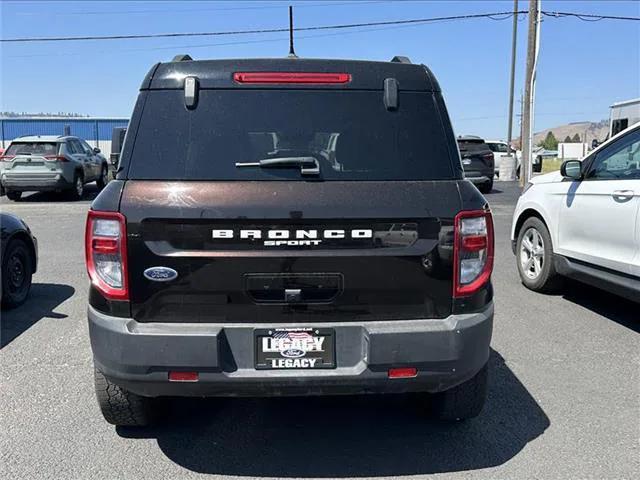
(289, 227)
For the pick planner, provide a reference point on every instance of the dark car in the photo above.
(289, 227)
(477, 162)
(19, 256)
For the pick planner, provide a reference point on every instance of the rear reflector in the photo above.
(306, 78)
(406, 372)
(183, 376)
(473, 243)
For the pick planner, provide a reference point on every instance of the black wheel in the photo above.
(17, 269)
(104, 177)
(534, 257)
(121, 407)
(77, 189)
(13, 195)
(518, 172)
(463, 401)
(486, 187)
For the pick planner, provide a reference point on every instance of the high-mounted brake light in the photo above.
(472, 251)
(306, 78)
(106, 253)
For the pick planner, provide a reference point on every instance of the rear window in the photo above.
(497, 147)
(32, 148)
(472, 145)
(351, 134)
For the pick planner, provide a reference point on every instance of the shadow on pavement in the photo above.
(90, 192)
(608, 305)
(42, 300)
(345, 436)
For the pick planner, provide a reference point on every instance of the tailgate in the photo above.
(290, 251)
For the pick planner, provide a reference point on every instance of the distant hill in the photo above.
(597, 130)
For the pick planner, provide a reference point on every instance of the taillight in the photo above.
(106, 253)
(473, 251)
(7, 158)
(487, 157)
(56, 158)
(307, 78)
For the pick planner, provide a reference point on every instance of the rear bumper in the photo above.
(35, 181)
(479, 177)
(138, 356)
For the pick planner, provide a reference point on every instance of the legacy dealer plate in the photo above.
(295, 348)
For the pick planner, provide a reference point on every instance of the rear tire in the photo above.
(17, 270)
(486, 187)
(103, 179)
(463, 401)
(534, 257)
(121, 407)
(77, 189)
(13, 195)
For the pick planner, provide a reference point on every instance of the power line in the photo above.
(207, 9)
(587, 17)
(221, 44)
(544, 114)
(492, 16)
(260, 31)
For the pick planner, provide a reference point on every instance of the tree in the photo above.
(550, 142)
(567, 139)
(576, 138)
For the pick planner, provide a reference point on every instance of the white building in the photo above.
(623, 115)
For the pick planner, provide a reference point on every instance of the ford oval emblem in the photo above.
(293, 353)
(160, 274)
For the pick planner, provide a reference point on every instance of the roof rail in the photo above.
(183, 57)
(400, 59)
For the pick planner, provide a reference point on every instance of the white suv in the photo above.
(500, 149)
(584, 221)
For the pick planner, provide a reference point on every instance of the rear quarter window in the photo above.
(350, 132)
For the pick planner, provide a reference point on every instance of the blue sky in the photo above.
(583, 67)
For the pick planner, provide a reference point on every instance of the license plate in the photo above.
(295, 348)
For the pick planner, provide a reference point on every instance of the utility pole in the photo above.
(510, 169)
(527, 117)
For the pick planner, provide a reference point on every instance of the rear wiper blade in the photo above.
(308, 165)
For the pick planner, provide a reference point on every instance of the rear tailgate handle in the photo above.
(623, 194)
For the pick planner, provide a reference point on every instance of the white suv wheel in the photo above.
(532, 253)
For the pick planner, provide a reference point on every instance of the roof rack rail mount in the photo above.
(400, 59)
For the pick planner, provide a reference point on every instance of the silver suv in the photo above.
(51, 163)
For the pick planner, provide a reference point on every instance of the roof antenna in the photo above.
(292, 53)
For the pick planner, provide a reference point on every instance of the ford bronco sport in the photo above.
(289, 227)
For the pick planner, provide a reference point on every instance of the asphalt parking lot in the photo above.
(564, 397)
